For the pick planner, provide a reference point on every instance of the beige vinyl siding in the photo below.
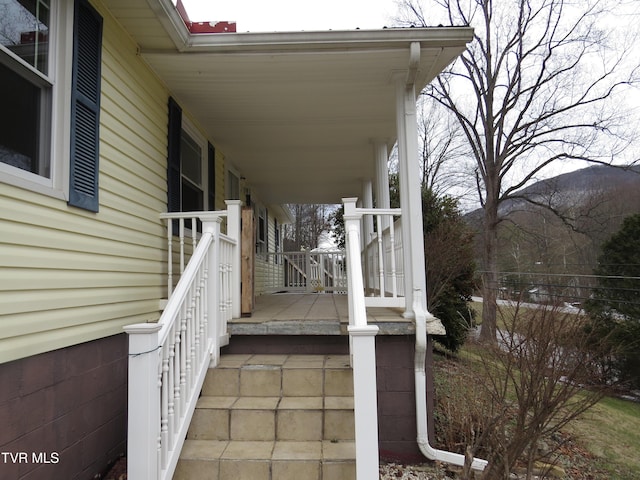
(66, 275)
(267, 272)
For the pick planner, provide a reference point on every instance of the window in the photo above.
(191, 166)
(191, 174)
(47, 46)
(232, 187)
(262, 233)
(25, 86)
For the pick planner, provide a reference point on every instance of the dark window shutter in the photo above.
(85, 107)
(174, 180)
(212, 177)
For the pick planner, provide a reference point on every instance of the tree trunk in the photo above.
(490, 275)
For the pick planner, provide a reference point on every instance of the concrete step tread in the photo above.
(275, 403)
(332, 451)
(284, 361)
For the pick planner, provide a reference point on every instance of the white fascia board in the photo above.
(331, 40)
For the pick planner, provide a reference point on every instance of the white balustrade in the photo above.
(382, 258)
(168, 360)
(315, 271)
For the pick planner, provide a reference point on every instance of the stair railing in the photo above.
(305, 271)
(168, 360)
(363, 352)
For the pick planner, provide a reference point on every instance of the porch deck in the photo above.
(313, 314)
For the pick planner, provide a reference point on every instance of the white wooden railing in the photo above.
(168, 360)
(362, 350)
(315, 271)
(382, 255)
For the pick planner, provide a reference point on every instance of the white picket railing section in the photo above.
(168, 360)
(382, 257)
(315, 271)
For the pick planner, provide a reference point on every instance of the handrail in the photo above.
(178, 349)
(184, 221)
(168, 360)
(363, 354)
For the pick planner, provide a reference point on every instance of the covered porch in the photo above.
(314, 314)
(301, 117)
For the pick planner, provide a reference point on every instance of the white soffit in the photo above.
(296, 113)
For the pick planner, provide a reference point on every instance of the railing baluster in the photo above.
(392, 258)
(181, 224)
(170, 379)
(163, 441)
(169, 258)
(380, 255)
(194, 232)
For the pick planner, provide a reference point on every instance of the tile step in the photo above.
(268, 460)
(260, 375)
(273, 418)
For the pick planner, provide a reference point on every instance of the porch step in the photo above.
(273, 417)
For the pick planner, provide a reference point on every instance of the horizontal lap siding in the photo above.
(69, 276)
(267, 272)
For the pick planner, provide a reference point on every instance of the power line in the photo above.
(574, 275)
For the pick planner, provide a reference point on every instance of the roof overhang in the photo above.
(296, 113)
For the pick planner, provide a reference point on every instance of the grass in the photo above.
(611, 431)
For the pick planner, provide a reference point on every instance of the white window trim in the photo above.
(61, 53)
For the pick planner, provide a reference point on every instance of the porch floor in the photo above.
(313, 314)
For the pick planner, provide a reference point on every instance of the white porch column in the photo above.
(234, 213)
(410, 196)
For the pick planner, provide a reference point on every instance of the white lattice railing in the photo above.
(306, 271)
(168, 360)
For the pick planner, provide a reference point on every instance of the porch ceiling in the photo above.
(296, 113)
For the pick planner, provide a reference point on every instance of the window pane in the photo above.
(192, 198)
(24, 29)
(233, 187)
(191, 159)
(20, 129)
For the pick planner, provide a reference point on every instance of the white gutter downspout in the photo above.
(422, 316)
(421, 401)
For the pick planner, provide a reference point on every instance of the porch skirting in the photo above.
(64, 412)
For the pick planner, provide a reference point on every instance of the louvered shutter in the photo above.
(85, 107)
(212, 177)
(173, 157)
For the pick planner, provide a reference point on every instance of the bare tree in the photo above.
(443, 153)
(536, 89)
(310, 220)
(512, 404)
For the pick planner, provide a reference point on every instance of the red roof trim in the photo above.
(204, 27)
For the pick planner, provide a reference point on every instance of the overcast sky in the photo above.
(294, 15)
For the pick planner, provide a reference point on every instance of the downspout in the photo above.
(422, 317)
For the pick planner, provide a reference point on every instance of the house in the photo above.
(115, 119)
